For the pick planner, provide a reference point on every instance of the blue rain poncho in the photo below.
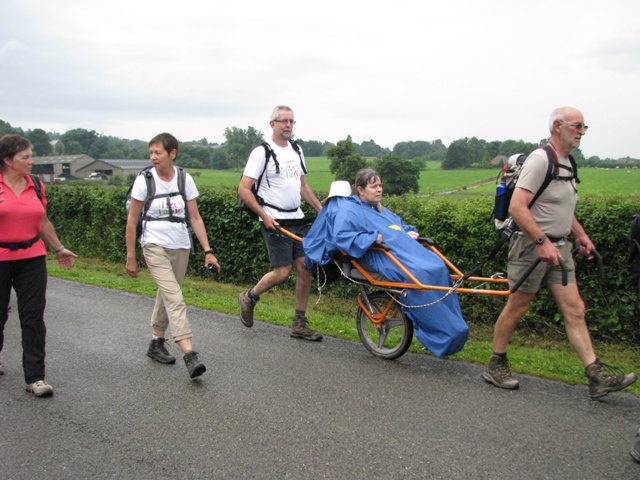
(351, 226)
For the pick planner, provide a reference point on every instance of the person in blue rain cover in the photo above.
(357, 222)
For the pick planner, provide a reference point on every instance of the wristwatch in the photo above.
(211, 251)
(540, 240)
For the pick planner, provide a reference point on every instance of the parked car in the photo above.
(63, 177)
(98, 176)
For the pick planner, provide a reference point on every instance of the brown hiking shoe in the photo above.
(194, 365)
(604, 379)
(497, 372)
(158, 351)
(246, 309)
(299, 329)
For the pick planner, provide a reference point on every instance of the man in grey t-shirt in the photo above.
(543, 234)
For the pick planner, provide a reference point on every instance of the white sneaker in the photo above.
(40, 389)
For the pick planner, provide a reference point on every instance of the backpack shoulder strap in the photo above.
(296, 147)
(37, 185)
(551, 156)
(268, 154)
(574, 166)
(182, 181)
(151, 188)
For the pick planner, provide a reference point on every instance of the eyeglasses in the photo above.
(578, 125)
(286, 120)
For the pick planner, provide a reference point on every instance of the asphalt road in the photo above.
(272, 407)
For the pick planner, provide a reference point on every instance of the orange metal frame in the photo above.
(415, 283)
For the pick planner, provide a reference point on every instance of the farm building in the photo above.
(82, 166)
(49, 167)
(113, 167)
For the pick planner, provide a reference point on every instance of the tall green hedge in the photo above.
(91, 221)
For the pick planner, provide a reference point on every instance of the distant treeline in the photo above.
(233, 152)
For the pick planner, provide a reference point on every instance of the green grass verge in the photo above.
(550, 357)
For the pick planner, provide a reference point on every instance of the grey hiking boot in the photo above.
(194, 365)
(605, 379)
(158, 351)
(497, 372)
(299, 329)
(40, 388)
(246, 309)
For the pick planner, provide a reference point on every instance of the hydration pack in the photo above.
(508, 179)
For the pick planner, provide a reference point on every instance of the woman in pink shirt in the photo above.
(23, 227)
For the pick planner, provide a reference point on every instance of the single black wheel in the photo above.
(392, 338)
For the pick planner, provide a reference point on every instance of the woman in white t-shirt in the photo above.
(166, 246)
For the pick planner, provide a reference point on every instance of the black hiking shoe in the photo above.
(158, 351)
(497, 372)
(195, 366)
(299, 329)
(604, 379)
(247, 304)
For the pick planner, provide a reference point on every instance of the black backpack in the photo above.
(633, 256)
(268, 154)
(151, 195)
(37, 185)
(509, 178)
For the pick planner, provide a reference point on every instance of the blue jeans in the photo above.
(29, 280)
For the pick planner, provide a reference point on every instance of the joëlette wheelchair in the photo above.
(383, 328)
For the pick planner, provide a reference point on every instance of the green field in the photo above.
(434, 180)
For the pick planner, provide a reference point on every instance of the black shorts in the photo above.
(282, 249)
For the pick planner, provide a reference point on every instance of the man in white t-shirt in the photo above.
(281, 189)
(543, 234)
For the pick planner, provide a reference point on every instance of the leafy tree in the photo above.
(84, 139)
(463, 153)
(511, 147)
(399, 176)
(369, 148)
(100, 148)
(430, 151)
(73, 148)
(219, 159)
(193, 163)
(311, 148)
(239, 145)
(40, 141)
(326, 146)
(7, 129)
(345, 162)
(486, 160)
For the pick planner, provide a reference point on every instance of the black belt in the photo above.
(556, 239)
(20, 245)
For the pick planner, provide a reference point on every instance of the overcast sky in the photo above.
(388, 71)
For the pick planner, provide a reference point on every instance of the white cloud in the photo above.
(404, 70)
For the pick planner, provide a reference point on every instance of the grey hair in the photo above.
(559, 114)
(364, 177)
(274, 113)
